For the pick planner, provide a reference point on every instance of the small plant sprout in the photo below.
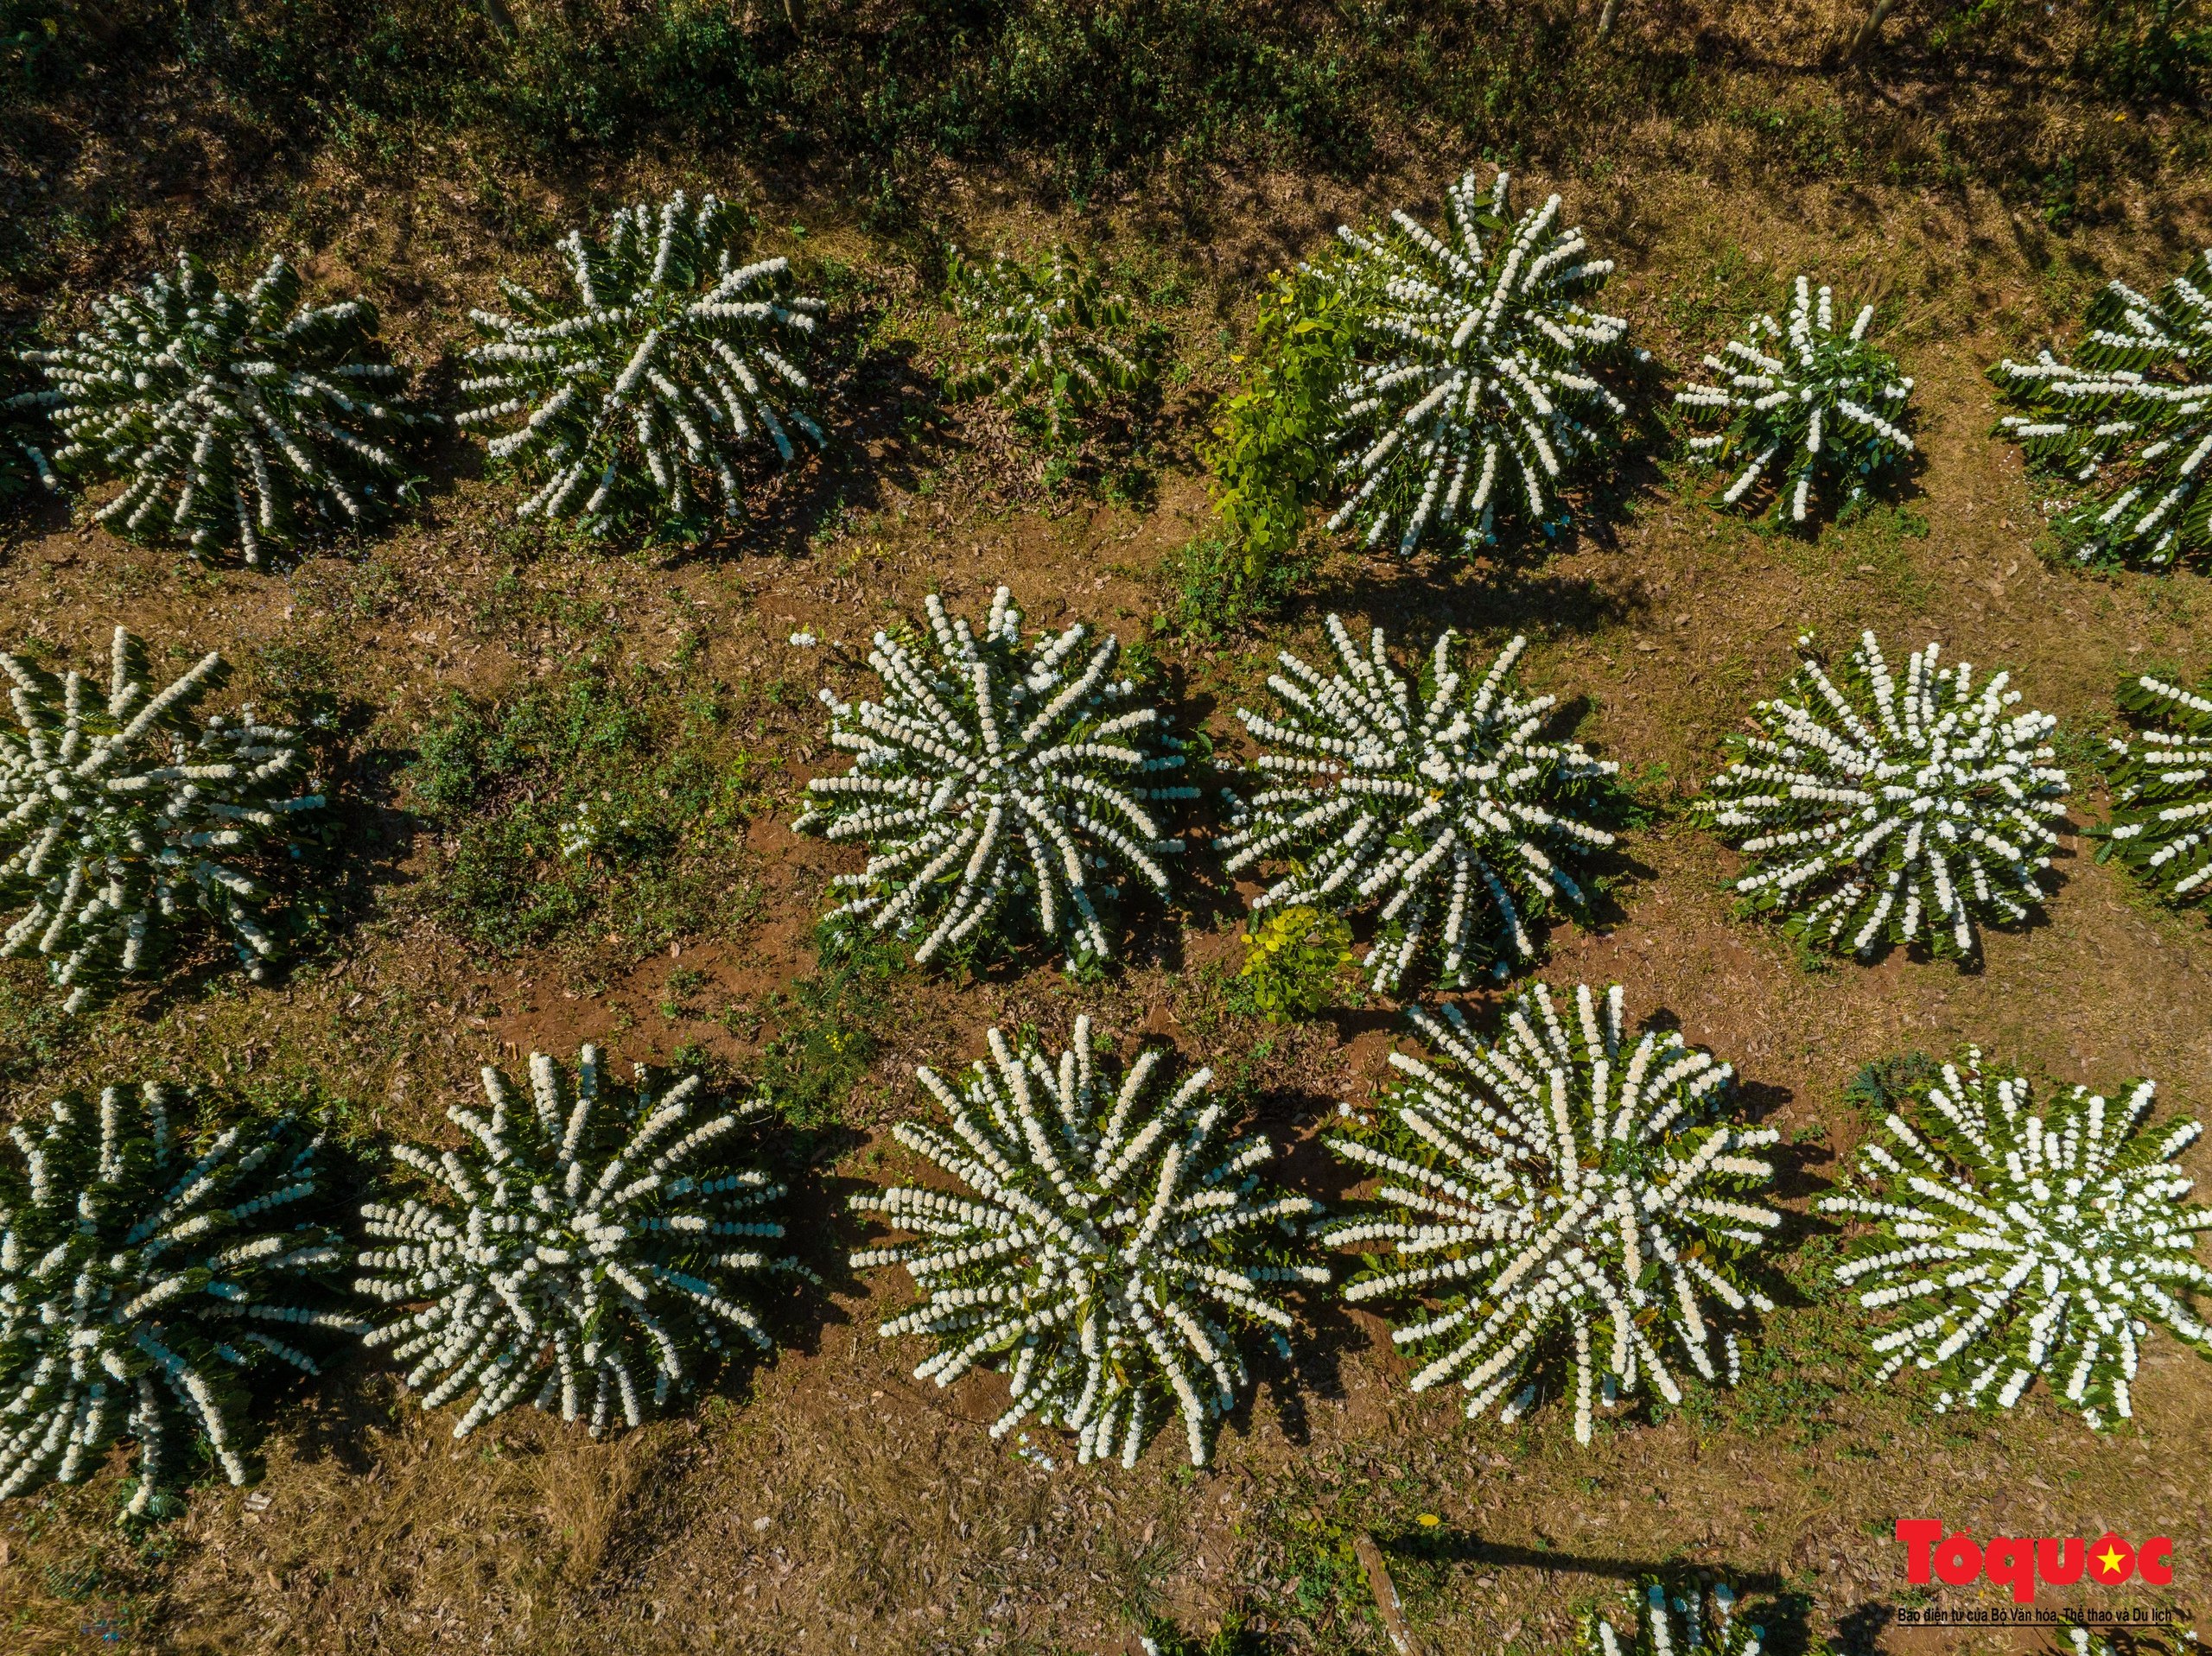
(1699, 1621)
(142, 1282)
(1477, 394)
(997, 776)
(2129, 421)
(1051, 332)
(1814, 410)
(1108, 1248)
(669, 361)
(1867, 810)
(1440, 803)
(578, 1252)
(1573, 1195)
(120, 815)
(2017, 1243)
(2162, 787)
(233, 421)
(1291, 962)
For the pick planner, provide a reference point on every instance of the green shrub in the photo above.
(1268, 456)
(1046, 336)
(1292, 961)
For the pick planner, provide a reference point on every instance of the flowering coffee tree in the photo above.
(119, 815)
(234, 421)
(1440, 803)
(996, 775)
(1051, 332)
(141, 1283)
(2162, 787)
(25, 432)
(1106, 1252)
(1475, 395)
(579, 1253)
(2135, 403)
(2021, 1243)
(667, 363)
(1564, 1192)
(1868, 811)
(1700, 1622)
(1814, 409)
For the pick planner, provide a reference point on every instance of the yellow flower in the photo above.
(1430, 1520)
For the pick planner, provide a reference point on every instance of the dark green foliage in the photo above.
(605, 797)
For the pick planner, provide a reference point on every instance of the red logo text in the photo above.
(1957, 1559)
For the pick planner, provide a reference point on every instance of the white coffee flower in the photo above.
(2161, 823)
(1816, 411)
(1698, 1621)
(2136, 401)
(1448, 811)
(1563, 1194)
(141, 1283)
(1106, 1250)
(1868, 810)
(230, 420)
(997, 777)
(2021, 1243)
(671, 359)
(578, 1252)
(120, 814)
(1477, 396)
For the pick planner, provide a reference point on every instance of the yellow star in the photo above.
(2108, 1562)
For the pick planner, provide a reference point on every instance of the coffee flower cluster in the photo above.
(120, 814)
(232, 420)
(1702, 1623)
(669, 361)
(1569, 1193)
(2162, 787)
(578, 1252)
(141, 1283)
(2017, 1242)
(1867, 809)
(1815, 411)
(997, 776)
(1107, 1249)
(1478, 392)
(1051, 332)
(2135, 403)
(1447, 808)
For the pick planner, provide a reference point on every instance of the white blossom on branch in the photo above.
(580, 1251)
(1107, 1249)
(643, 390)
(142, 1282)
(1575, 1196)
(2016, 1242)
(2161, 780)
(1437, 801)
(1868, 810)
(997, 777)
(1476, 396)
(1813, 411)
(236, 422)
(1050, 331)
(122, 815)
(1697, 1621)
(2129, 421)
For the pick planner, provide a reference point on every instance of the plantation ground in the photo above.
(473, 681)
